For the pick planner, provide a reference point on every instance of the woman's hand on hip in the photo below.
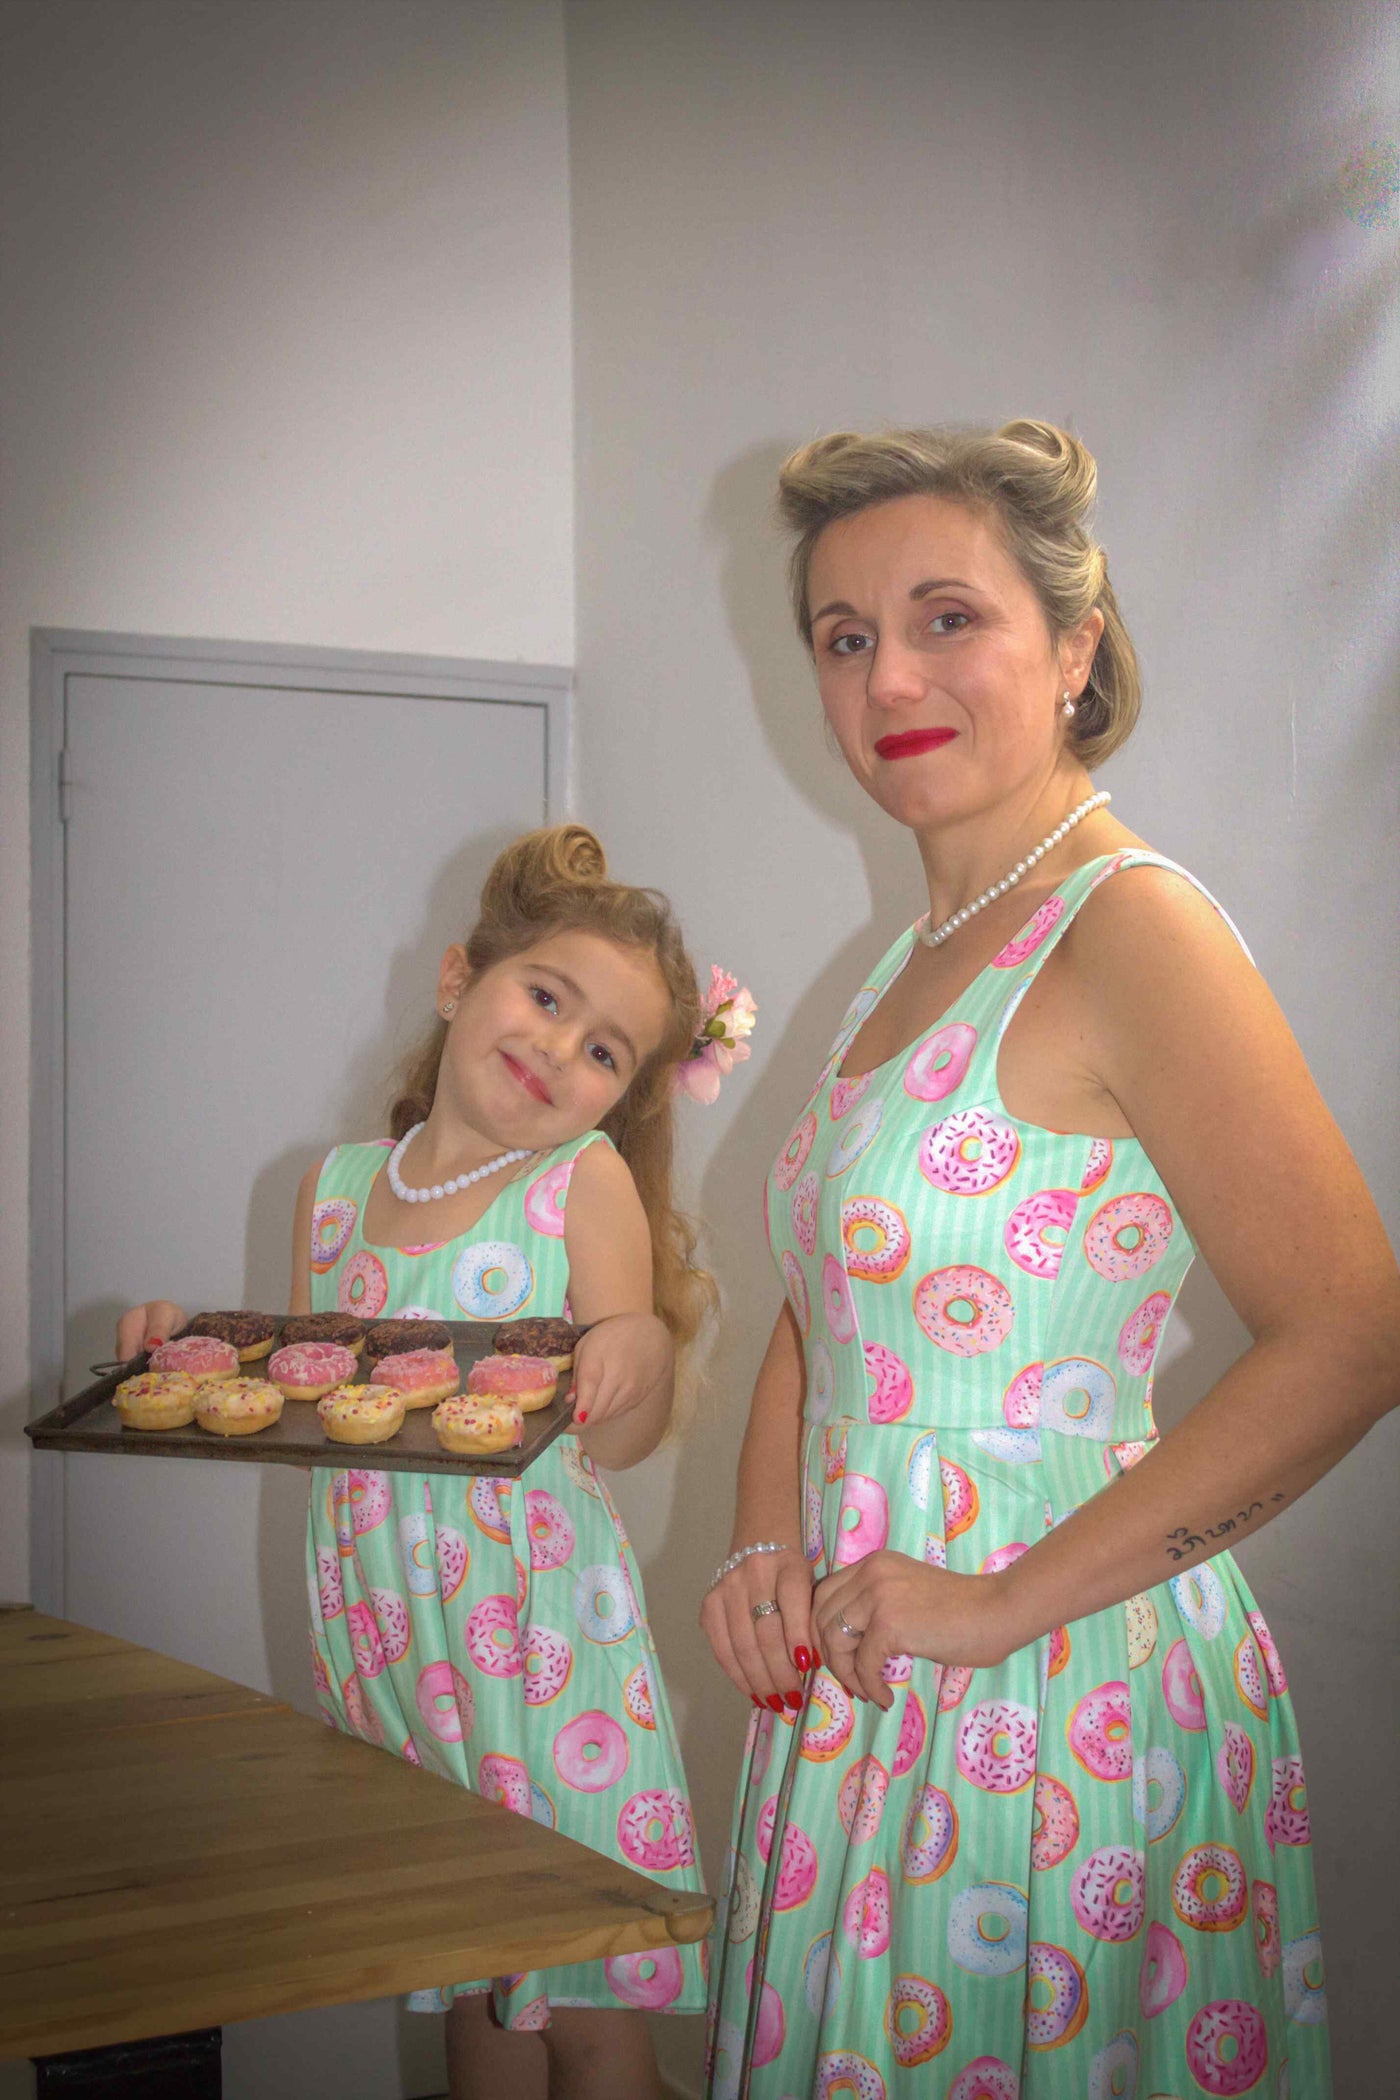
(769, 1656)
(144, 1326)
(889, 1604)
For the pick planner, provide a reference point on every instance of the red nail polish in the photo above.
(816, 1660)
(802, 1659)
(775, 1702)
(580, 1415)
(155, 1341)
(794, 1700)
(757, 1701)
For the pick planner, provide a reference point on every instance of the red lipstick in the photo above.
(907, 743)
(527, 1079)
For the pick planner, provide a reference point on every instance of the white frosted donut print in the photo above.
(857, 1135)
(1200, 1598)
(964, 1310)
(492, 1280)
(1077, 1398)
(939, 1065)
(603, 1604)
(988, 1927)
(1113, 2072)
(1037, 1230)
(1127, 1235)
(969, 1153)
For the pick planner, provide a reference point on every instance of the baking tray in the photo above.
(88, 1422)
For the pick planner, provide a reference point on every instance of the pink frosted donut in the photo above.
(939, 1064)
(864, 1521)
(961, 1502)
(892, 1384)
(493, 1637)
(843, 2075)
(652, 1981)
(963, 1310)
(1181, 1688)
(363, 1286)
(330, 1593)
(1107, 1893)
(834, 1451)
(590, 1752)
(1056, 1828)
(488, 1513)
(1096, 1166)
(199, 1356)
(797, 1863)
(1210, 1892)
(876, 1239)
(453, 1560)
(814, 1539)
(332, 1222)
(793, 1157)
(1278, 1683)
(1100, 1732)
(446, 1702)
(364, 1721)
(507, 1780)
(1036, 1229)
(310, 1368)
(796, 1284)
(653, 1829)
(913, 1733)
(548, 1663)
(861, 1801)
(953, 1688)
(837, 1301)
(1286, 1820)
(829, 1719)
(866, 1915)
(985, 2078)
(969, 1152)
(1249, 1676)
(804, 1213)
(1162, 1976)
(1057, 2001)
(550, 1530)
(1141, 1332)
(319, 1672)
(928, 1841)
(1127, 1235)
(636, 1697)
(1268, 1938)
(1003, 1557)
(1036, 929)
(1234, 1763)
(370, 1498)
(545, 1199)
(1020, 1403)
(365, 1644)
(846, 1092)
(1061, 1648)
(1227, 2047)
(996, 1745)
(918, 2020)
(392, 1621)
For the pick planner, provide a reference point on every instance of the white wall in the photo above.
(1135, 220)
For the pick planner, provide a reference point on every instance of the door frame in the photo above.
(56, 655)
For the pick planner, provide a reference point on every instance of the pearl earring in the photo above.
(449, 1007)
(1069, 709)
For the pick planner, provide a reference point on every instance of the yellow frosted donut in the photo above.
(474, 1428)
(156, 1400)
(361, 1414)
(237, 1406)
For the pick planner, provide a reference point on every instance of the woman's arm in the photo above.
(1181, 1033)
(624, 1368)
(769, 1656)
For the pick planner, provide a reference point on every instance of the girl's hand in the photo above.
(767, 1657)
(898, 1606)
(620, 1363)
(146, 1326)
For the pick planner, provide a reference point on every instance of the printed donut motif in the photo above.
(546, 1197)
(549, 1528)
(954, 1688)
(821, 1974)
(416, 1554)
(1304, 1991)
(1227, 2048)
(918, 2020)
(813, 1536)
(913, 1732)
(856, 1136)
(547, 1663)
(861, 1801)
(1057, 1999)
(1108, 1893)
(928, 1842)
(365, 1644)
(1099, 1732)
(653, 1829)
(487, 1513)
(745, 1901)
(1159, 1792)
(797, 1862)
(987, 1928)
(876, 1239)
(985, 2078)
(829, 1720)
(332, 1223)
(370, 1499)
(969, 1153)
(1141, 1332)
(846, 1092)
(493, 1637)
(843, 2075)
(1037, 1230)
(591, 1753)
(603, 1604)
(963, 1310)
(996, 1746)
(1096, 1166)
(1036, 929)
(804, 1213)
(392, 1624)
(821, 1381)
(793, 1157)
(1249, 1677)
(329, 1590)
(492, 1280)
(1286, 1820)
(939, 1065)
(920, 1467)
(1200, 1598)
(1127, 1235)
(1234, 1764)
(1278, 1683)
(1113, 2072)
(507, 1780)
(1162, 1977)
(863, 1524)
(578, 1465)
(834, 1450)
(961, 1502)
(1209, 1889)
(363, 1286)
(1055, 1831)
(1181, 1688)
(1078, 1398)
(837, 1301)
(796, 1284)
(1020, 1403)
(649, 1981)
(865, 1917)
(446, 1702)
(636, 1697)
(1268, 1942)
(453, 1556)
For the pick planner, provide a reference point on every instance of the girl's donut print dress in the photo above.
(491, 1630)
(1084, 1874)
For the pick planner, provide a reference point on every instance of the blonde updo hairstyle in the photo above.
(556, 881)
(1038, 484)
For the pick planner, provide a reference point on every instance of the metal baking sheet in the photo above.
(88, 1422)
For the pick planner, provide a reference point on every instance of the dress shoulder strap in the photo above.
(1026, 953)
(348, 1171)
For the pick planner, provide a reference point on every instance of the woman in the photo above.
(1037, 1823)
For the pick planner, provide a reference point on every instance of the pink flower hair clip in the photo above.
(727, 1015)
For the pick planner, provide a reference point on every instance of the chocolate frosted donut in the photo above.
(324, 1327)
(250, 1333)
(549, 1338)
(389, 1337)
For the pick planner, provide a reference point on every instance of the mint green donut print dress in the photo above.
(1083, 1874)
(494, 1631)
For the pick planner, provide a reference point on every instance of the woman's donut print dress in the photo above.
(1084, 1873)
(494, 1630)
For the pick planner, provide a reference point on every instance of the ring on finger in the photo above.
(764, 1610)
(854, 1632)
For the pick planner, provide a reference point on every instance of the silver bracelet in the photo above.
(727, 1567)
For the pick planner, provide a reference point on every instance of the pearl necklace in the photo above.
(934, 936)
(442, 1188)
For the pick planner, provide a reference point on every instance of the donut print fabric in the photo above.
(1086, 1872)
(494, 1631)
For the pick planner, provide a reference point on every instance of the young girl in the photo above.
(494, 1630)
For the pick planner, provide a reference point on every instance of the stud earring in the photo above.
(448, 1009)
(1069, 710)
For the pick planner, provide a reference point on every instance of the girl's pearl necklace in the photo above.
(442, 1188)
(934, 936)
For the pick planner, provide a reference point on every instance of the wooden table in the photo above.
(181, 1851)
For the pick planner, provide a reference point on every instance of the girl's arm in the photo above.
(624, 1369)
(768, 1657)
(1182, 1034)
(146, 1325)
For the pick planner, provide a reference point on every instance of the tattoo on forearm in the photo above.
(1183, 1540)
